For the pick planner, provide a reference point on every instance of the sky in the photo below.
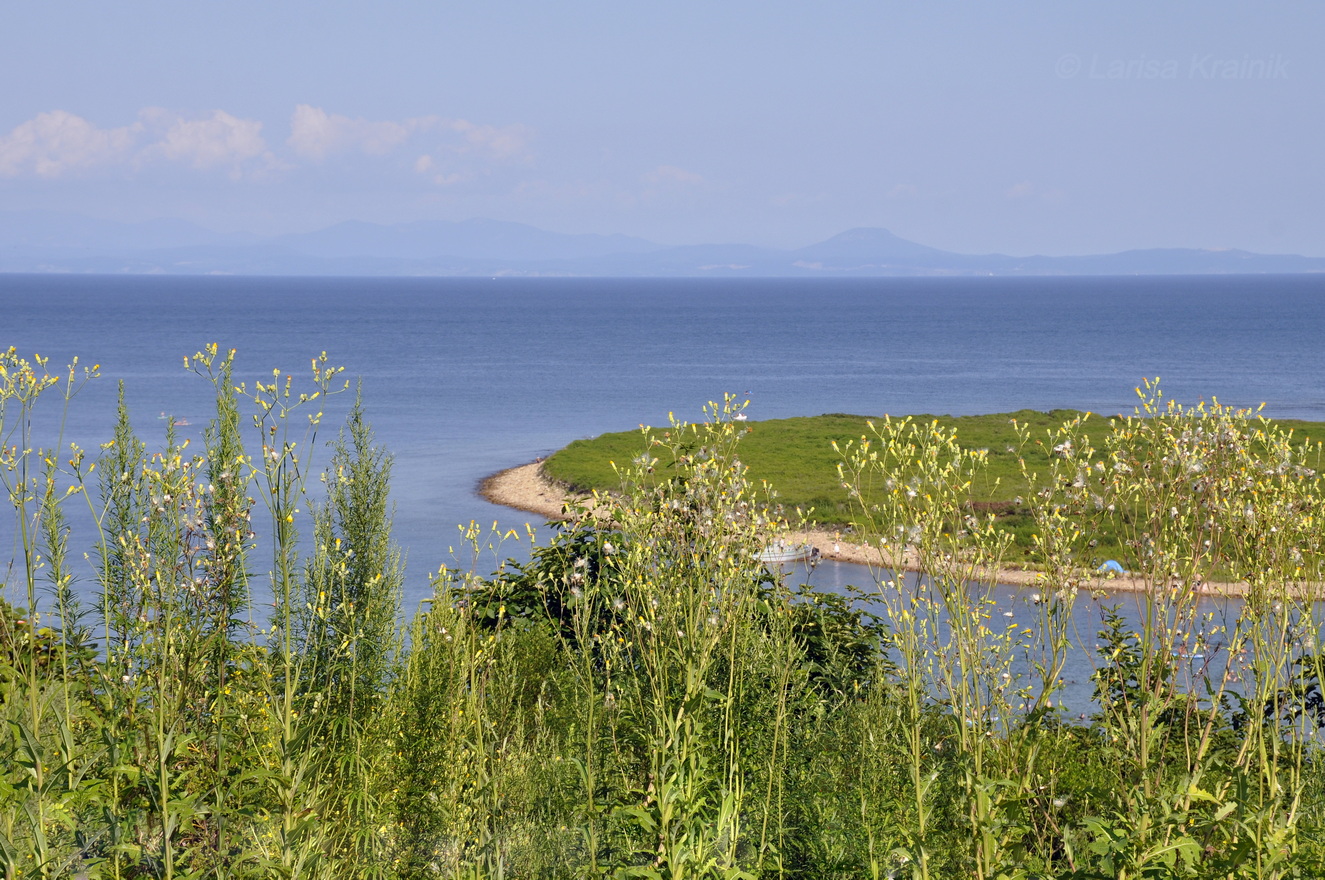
(1013, 127)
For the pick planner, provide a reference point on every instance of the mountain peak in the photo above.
(47, 241)
(867, 244)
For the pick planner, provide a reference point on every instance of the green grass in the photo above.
(796, 458)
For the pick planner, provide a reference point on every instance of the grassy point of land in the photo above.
(796, 458)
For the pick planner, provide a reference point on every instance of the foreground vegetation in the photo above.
(642, 699)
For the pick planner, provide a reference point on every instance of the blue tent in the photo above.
(1113, 566)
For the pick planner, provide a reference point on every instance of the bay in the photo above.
(464, 377)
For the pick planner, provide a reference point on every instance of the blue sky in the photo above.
(1018, 127)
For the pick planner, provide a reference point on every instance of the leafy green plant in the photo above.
(643, 697)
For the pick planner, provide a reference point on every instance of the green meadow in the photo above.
(799, 459)
(796, 456)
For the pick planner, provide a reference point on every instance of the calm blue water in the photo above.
(464, 377)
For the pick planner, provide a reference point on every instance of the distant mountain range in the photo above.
(47, 241)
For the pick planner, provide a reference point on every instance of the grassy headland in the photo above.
(798, 459)
(796, 456)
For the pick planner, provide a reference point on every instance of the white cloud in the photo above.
(57, 143)
(220, 141)
(315, 133)
(500, 142)
(426, 165)
(463, 151)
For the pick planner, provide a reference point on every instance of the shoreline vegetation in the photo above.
(531, 489)
(211, 673)
(528, 488)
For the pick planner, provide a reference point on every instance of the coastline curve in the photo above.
(527, 488)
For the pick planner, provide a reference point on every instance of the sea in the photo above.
(463, 377)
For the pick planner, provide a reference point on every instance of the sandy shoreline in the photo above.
(527, 488)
